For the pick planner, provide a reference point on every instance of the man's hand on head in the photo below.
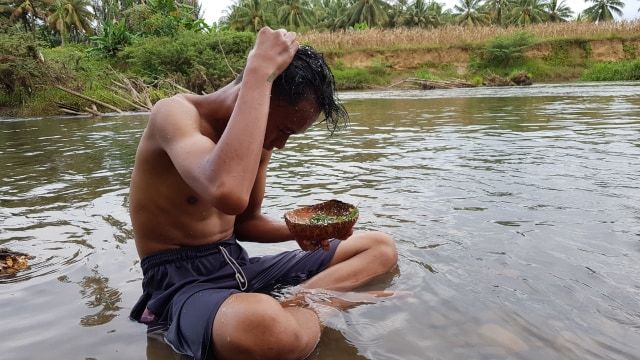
(273, 50)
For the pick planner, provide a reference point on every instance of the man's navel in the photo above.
(192, 200)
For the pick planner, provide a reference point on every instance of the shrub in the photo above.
(135, 17)
(21, 67)
(190, 56)
(160, 25)
(114, 38)
(506, 50)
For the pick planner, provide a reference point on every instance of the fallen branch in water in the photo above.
(85, 97)
(435, 84)
(135, 105)
(135, 90)
(72, 110)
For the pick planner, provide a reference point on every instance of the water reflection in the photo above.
(515, 212)
(95, 289)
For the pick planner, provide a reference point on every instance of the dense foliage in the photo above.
(200, 61)
(22, 69)
(506, 50)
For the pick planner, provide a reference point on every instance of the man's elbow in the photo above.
(229, 201)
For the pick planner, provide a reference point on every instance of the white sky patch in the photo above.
(214, 9)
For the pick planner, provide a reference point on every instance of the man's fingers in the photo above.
(326, 245)
(290, 37)
(312, 245)
(293, 48)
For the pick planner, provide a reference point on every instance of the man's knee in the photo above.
(262, 330)
(385, 248)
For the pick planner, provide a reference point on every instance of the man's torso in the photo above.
(165, 211)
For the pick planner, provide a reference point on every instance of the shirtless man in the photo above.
(197, 187)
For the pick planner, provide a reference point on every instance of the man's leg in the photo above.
(256, 326)
(357, 260)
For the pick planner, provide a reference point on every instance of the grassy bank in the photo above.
(613, 71)
(359, 59)
(165, 64)
(549, 52)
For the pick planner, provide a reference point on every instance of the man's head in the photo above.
(299, 94)
(309, 76)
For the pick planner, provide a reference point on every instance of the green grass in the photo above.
(613, 71)
(352, 78)
(436, 71)
(539, 70)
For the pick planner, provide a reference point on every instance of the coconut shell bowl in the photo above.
(326, 220)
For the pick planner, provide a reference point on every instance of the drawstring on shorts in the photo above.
(241, 278)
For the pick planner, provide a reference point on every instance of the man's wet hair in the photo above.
(309, 75)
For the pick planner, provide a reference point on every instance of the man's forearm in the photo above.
(260, 228)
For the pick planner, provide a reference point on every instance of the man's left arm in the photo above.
(252, 225)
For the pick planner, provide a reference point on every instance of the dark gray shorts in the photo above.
(184, 288)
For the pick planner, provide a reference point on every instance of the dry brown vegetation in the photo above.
(457, 36)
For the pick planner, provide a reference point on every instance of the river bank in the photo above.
(369, 59)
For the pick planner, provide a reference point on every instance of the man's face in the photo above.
(286, 120)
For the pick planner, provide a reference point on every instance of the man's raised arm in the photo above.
(224, 173)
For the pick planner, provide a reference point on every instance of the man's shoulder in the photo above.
(174, 107)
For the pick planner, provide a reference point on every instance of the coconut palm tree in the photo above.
(26, 11)
(331, 14)
(396, 13)
(372, 12)
(444, 16)
(295, 14)
(527, 12)
(421, 14)
(498, 9)
(603, 10)
(558, 11)
(71, 17)
(249, 15)
(469, 13)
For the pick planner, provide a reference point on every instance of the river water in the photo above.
(516, 213)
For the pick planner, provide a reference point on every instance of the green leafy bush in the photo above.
(506, 50)
(136, 16)
(195, 59)
(361, 26)
(114, 38)
(22, 68)
(160, 25)
(162, 18)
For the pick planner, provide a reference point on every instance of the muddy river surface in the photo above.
(516, 213)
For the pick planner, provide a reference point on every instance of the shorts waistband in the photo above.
(184, 253)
